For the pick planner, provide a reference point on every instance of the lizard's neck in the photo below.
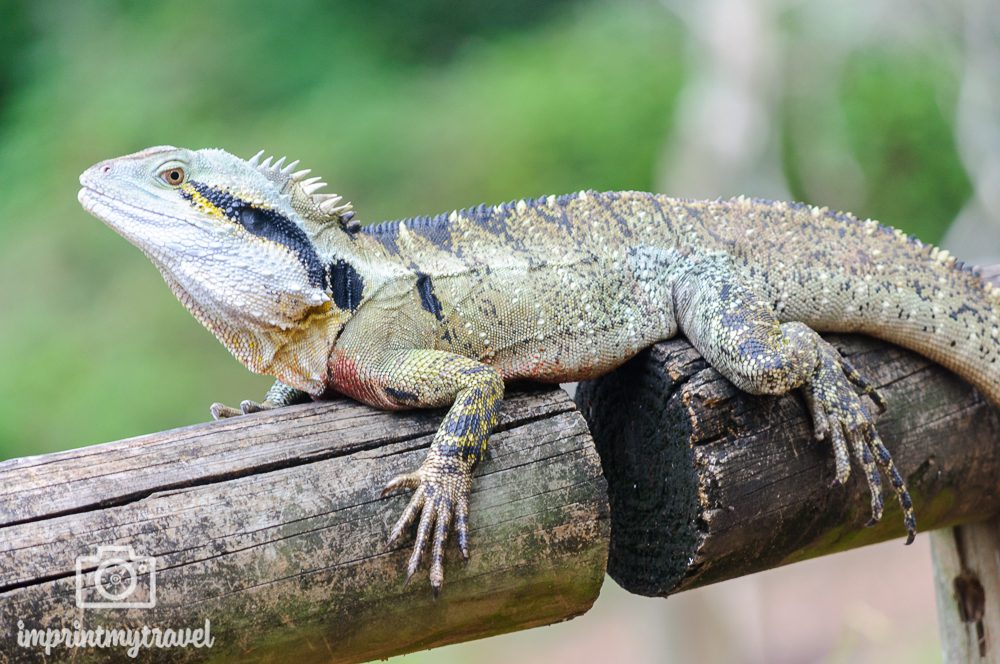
(296, 355)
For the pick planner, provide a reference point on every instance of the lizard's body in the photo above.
(440, 311)
(566, 288)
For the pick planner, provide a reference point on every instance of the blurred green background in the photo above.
(413, 107)
(405, 107)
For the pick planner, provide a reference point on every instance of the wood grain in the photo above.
(708, 483)
(271, 527)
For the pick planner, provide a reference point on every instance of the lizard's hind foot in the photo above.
(840, 414)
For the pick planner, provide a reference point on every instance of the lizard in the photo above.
(443, 311)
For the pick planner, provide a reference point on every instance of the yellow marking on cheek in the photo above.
(200, 202)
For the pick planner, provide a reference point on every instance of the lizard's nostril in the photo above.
(105, 169)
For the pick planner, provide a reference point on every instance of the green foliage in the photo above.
(879, 141)
(898, 107)
(434, 31)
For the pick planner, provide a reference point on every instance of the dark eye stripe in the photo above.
(266, 223)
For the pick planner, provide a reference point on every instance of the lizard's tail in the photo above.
(947, 312)
(870, 278)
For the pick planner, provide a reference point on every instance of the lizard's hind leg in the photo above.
(740, 336)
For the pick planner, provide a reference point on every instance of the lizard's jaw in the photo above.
(151, 232)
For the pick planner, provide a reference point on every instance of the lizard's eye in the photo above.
(173, 176)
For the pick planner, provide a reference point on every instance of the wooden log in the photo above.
(707, 483)
(270, 526)
(967, 587)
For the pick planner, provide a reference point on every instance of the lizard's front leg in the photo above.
(277, 396)
(430, 379)
(740, 336)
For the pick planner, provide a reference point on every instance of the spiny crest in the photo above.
(305, 193)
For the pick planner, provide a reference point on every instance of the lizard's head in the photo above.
(248, 246)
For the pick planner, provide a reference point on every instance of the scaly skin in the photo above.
(434, 312)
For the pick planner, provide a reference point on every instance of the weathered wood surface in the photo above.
(707, 483)
(271, 527)
(967, 586)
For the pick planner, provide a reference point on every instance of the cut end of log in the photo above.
(707, 483)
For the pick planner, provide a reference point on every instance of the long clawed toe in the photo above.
(860, 438)
(439, 500)
(864, 386)
(442, 521)
(435, 514)
(409, 515)
(247, 406)
(884, 459)
(427, 517)
(840, 415)
(404, 481)
(222, 411)
(462, 526)
(877, 461)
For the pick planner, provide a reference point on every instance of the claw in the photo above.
(247, 406)
(404, 481)
(839, 409)
(221, 411)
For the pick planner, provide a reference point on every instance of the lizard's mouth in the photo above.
(100, 204)
(110, 209)
(90, 198)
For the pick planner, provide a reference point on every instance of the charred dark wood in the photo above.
(707, 483)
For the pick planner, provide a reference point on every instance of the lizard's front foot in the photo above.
(220, 410)
(278, 396)
(839, 413)
(442, 486)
